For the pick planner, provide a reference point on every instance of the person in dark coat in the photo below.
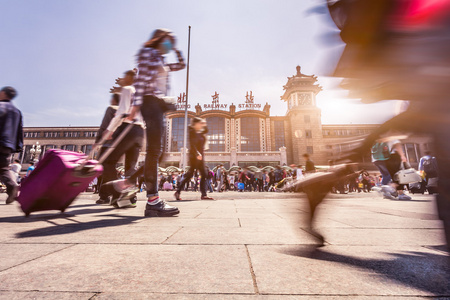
(11, 139)
(197, 140)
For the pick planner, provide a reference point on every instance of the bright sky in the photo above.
(63, 56)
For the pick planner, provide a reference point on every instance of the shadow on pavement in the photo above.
(119, 220)
(425, 271)
(37, 217)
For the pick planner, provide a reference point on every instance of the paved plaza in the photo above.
(240, 246)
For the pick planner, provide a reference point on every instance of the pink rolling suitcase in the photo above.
(57, 180)
(60, 177)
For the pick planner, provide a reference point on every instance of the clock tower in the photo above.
(304, 117)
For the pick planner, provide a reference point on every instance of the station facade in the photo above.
(244, 134)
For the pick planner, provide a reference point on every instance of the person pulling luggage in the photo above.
(129, 146)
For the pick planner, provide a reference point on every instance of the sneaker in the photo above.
(121, 186)
(13, 195)
(102, 201)
(388, 189)
(160, 209)
(207, 198)
(389, 196)
(404, 197)
(124, 199)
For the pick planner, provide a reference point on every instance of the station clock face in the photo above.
(305, 99)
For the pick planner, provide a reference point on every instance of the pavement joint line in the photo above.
(278, 215)
(172, 234)
(36, 258)
(239, 220)
(96, 294)
(252, 271)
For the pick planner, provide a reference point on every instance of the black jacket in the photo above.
(196, 143)
(11, 127)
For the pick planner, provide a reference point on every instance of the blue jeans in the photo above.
(382, 166)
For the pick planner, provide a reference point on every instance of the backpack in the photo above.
(429, 167)
(380, 151)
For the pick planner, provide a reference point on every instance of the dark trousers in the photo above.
(199, 165)
(130, 146)
(6, 175)
(154, 120)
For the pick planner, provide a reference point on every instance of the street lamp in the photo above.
(35, 151)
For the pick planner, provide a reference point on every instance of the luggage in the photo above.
(167, 186)
(407, 175)
(432, 185)
(417, 188)
(60, 177)
(56, 181)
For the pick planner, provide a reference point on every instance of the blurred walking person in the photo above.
(11, 139)
(129, 146)
(197, 139)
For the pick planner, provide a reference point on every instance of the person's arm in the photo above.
(420, 167)
(399, 149)
(146, 79)
(180, 65)
(124, 107)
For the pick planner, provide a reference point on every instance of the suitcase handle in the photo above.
(84, 168)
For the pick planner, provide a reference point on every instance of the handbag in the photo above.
(407, 175)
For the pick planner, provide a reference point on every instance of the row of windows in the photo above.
(341, 132)
(26, 157)
(57, 134)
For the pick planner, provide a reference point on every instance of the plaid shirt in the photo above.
(150, 62)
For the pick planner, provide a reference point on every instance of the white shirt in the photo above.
(16, 168)
(126, 98)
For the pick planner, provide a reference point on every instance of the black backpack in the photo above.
(429, 167)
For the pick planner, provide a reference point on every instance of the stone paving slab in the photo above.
(241, 246)
(356, 270)
(233, 236)
(136, 268)
(16, 254)
(101, 232)
(34, 295)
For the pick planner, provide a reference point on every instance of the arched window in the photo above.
(177, 134)
(46, 147)
(216, 134)
(86, 149)
(279, 134)
(250, 137)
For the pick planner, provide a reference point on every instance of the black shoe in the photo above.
(161, 209)
(13, 195)
(102, 201)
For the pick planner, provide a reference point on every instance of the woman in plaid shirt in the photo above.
(152, 83)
